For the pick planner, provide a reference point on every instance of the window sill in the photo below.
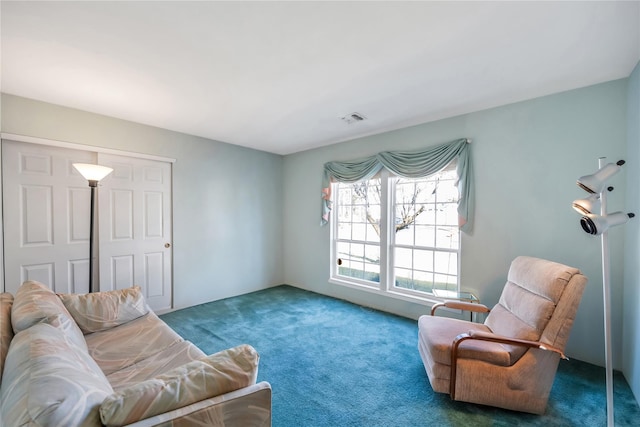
(422, 300)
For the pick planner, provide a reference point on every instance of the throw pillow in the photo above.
(105, 310)
(35, 303)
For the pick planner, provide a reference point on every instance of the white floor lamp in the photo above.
(93, 174)
(594, 224)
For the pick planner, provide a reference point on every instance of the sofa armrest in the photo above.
(248, 407)
(201, 379)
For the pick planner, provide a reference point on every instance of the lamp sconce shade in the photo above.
(596, 224)
(587, 205)
(92, 172)
(595, 183)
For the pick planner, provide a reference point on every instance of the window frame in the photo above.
(386, 286)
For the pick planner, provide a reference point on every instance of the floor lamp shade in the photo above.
(598, 224)
(93, 174)
(587, 205)
(595, 183)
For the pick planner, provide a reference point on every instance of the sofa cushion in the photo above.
(117, 348)
(6, 330)
(98, 311)
(171, 357)
(211, 376)
(50, 382)
(35, 303)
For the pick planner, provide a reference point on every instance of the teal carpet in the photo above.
(333, 363)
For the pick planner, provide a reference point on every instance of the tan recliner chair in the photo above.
(510, 361)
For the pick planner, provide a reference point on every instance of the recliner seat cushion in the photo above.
(438, 334)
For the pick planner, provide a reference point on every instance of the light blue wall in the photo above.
(527, 157)
(631, 310)
(227, 200)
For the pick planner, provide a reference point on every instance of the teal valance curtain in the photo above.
(408, 164)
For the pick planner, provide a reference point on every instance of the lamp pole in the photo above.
(606, 301)
(93, 174)
(591, 223)
(92, 184)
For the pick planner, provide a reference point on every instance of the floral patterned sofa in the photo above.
(106, 359)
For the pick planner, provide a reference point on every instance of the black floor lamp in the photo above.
(93, 174)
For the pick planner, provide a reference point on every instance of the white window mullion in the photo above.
(333, 270)
(386, 258)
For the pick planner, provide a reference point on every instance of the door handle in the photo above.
(167, 245)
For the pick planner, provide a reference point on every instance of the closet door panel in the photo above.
(79, 200)
(43, 273)
(46, 216)
(36, 214)
(137, 227)
(120, 214)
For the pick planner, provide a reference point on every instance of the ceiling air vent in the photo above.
(353, 118)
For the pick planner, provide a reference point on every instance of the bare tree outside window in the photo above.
(410, 206)
(368, 194)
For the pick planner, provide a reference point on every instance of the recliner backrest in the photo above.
(538, 302)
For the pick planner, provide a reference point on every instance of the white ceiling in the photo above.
(278, 76)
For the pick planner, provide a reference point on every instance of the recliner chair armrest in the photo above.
(461, 305)
(488, 336)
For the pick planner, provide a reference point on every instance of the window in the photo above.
(358, 230)
(397, 235)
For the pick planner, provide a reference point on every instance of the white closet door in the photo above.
(135, 227)
(46, 217)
